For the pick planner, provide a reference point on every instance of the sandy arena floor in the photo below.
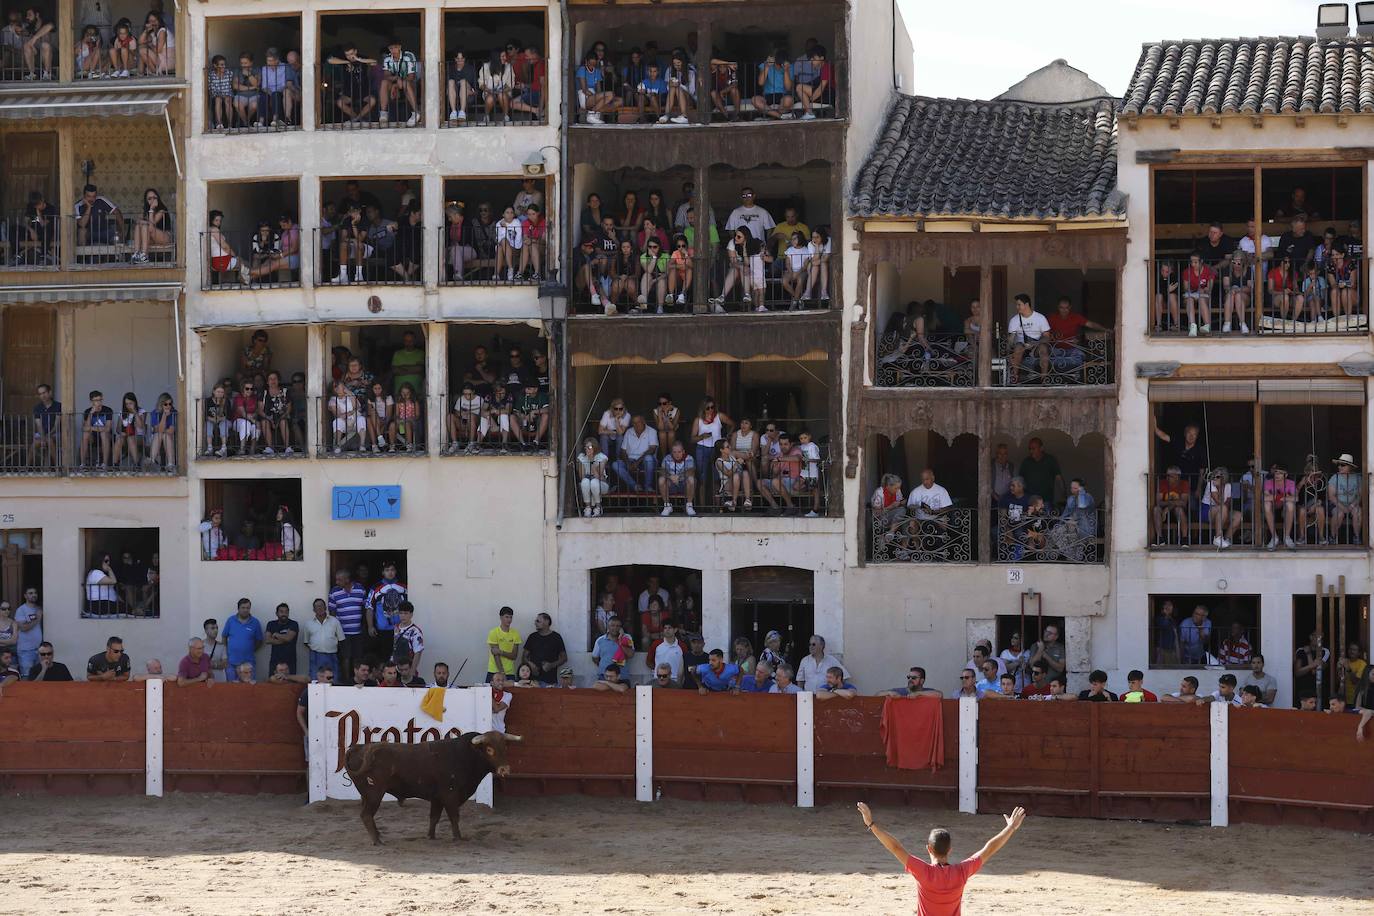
(212, 854)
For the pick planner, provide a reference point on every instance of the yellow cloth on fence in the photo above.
(433, 703)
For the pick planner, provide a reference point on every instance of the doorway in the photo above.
(366, 565)
(29, 358)
(782, 598)
(21, 564)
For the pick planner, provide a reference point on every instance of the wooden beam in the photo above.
(1259, 371)
(1352, 154)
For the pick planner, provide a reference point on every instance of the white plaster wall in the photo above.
(715, 546)
(124, 346)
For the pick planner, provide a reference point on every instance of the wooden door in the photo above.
(30, 162)
(28, 358)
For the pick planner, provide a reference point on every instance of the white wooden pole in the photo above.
(806, 750)
(644, 744)
(152, 738)
(316, 762)
(968, 755)
(1221, 764)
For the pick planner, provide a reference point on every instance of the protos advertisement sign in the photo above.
(341, 717)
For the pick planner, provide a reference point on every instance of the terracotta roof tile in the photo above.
(994, 159)
(1253, 76)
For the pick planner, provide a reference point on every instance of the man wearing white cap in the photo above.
(1343, 494)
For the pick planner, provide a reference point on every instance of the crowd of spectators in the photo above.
(103, 234)
(499, 244)
(251, 412)
(1038, 515)
(714, 461)
(1196, 502)
(511, 78)
(1297, 276)
(647, 83)
(270, 256)
(103, 49)
(645, 256)
(501, 405)
(380, 246)
(123, 585)
(133, 438)
(253, 95)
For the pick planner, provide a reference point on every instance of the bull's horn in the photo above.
(479, 740)
(515, 738)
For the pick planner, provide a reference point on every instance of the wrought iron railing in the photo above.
(1074, 535)
(351, 427)
(715, 283)
(371, 257)
(941, 361)
(77, 444)
(483, 429)
(102, 241)
(1258, 298)
(120, 600)
(1086, 360)
(31, 241)
(899, 535)
(484, 258)
(243, 259)
(371, 97)
(223, 432)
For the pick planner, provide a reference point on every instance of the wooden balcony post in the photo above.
(985, 327)
(703, 62)
(705, 251)
(983, 518)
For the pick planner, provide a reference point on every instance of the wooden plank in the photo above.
(1352, 790)
(726, 766)
(572, 761)
(745, 723)
(72, 756)
(1130, 720)
(233, 756)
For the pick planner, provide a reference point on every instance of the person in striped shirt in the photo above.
(346, 602)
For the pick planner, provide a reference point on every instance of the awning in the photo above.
(1174, 392)
(130, 103)
(127, 104)
(39, 295)
(1326, 391)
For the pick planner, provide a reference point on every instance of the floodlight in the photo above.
(1333, 20)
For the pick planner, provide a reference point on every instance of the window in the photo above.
(621, 590)
(121, 573)
(1196, 631)
(251, 519)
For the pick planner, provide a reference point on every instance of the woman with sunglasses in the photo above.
(624, 275)
(667, 419)
(614, 421)
(653, 275)
(153, 228)
(708, 429)
(162, 433)
(680, 269)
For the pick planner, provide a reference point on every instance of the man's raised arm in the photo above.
(1014, 821)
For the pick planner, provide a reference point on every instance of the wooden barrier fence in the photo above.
(1099, 760)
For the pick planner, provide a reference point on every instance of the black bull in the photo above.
(445, 773)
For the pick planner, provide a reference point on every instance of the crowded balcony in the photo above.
(253, 239)
(100, 403)
(1268, 465)
(1060, 336)
(768, 244)
(371, 232)
(933, 501)
(375, 402)
(633, 71)
(1211, 630)
(113, 43)
(1309, 278)
(370, 73)
(653, 440)
(500, 391)
(255, 403)
(254, 76)
(495, 70)
(496, 232)
(255, 519)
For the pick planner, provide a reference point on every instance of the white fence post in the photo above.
(316, 747)
(968, 755)
(481, 694)
(152, 738)
(644, 744)
(806, 750)
(1221, 763)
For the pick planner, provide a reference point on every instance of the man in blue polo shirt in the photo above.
(346, 600)
(836, 686)
(242, 636)
(716, 676)
(758, 682)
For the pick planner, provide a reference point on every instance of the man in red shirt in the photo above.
(1068, 354)
(940, 885)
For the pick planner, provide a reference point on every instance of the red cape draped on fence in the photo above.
(913, 731)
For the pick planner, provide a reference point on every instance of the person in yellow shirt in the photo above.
(1354, 666)
(782, 233)
(503, 644)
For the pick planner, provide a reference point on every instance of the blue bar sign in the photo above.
(365, 504)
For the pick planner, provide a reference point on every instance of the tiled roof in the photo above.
(953, 157)
(1253, 76)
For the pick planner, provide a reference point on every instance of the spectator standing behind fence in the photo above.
(281, 635)
(46, 668)
(811, 671)
(503, 645)
(110, 665)
(323, 635)
(242, 637)
(1195, 637)
(194, 667)
(544, 651)
(1050, 651)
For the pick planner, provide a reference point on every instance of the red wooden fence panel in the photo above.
(574, 742)
(1154, 762)
(232, 738)
(725, 747)
(73, 738)
(851, 762)
(1294, 767)
(1037, 755)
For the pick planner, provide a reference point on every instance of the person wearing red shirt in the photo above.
(1135, 689)
(1284, 290)
(1171, 499)
(1198, 281)
(1068, 354)
(939, 884)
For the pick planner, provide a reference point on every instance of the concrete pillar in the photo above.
(310, 92)
(432, 77)
(436, 382)
(715, 608)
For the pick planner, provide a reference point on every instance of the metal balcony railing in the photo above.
(121, 600)
(485, 258)
(1071, 536)
(481, 428)
(898, 535)
(352, 428)
(1087, 360)
(1237, 301)
(101, 241)
(374, 256)
(30, 240)
(243, 259)
(223, 431)
(940, 361)
(378, 95)
(718, 283)
(76, 444)
(1258, 511)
